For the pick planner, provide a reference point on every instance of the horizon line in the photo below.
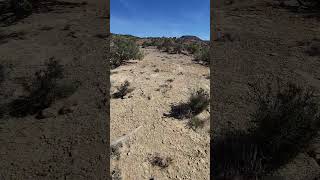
(161, 36)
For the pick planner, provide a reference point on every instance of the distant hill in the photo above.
(190, 38)
(186, 39)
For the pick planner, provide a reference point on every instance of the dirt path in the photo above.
(159, 80)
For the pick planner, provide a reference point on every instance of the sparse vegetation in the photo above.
(193, 48)
(285, 121)
(177, 48)
(203, 55)
(198, 102)
(123, 90)
(122, 50)
(149, 43)
(115, 151)
(42, 92)
(160, 161)
(12, 11)
(169, 45)
(195, 123)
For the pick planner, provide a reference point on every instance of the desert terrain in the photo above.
(159, 80)
(66, 140)
(253, 40)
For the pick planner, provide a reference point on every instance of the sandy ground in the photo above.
(265, 39)
(69, 146)
(153, 94)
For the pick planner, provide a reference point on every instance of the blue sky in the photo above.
(159, 18)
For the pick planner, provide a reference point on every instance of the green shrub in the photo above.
(203, 55)
(193, 48)
(286, 119)
(149, 43)
(145, 44)
(122, 50)
(177, 48)
(167, 45)
(158, 43)
(42, 92)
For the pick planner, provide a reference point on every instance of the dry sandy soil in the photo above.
(264, 39)
(70, 145)
(159, 80)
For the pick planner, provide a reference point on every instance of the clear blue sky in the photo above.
(159, 18)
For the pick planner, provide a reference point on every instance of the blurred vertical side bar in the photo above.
(107, 57)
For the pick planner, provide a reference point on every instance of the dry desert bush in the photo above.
(123, 49)
(123, 90)
(198, 101)
(286, 119)
(43, 90)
